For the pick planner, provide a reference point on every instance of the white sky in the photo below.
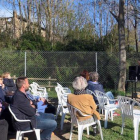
(5, 12)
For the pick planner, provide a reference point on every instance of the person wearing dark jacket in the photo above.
(3, 122)
(93, 85)
(9, 83)
(24, 109)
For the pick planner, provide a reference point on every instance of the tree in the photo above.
(122, 50)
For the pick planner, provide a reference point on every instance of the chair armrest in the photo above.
(41, 88)
(114, 100)
(23, 120)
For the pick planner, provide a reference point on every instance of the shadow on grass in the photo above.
(63, 134)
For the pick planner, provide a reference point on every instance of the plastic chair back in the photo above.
(20, 133)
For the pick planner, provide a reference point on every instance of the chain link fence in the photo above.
(64, 66)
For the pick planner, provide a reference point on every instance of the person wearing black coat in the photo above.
(9, 83)
(24, 109)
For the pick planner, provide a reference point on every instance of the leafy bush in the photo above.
(33, 41)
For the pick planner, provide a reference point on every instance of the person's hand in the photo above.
(33, 106)
(3, 86)
(9, 93)
(31, 103)
(42, 99)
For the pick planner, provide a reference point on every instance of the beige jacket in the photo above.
(85, 103)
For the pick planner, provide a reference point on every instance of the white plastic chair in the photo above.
(128, 110)
(104, 104)
(39, 87)
(66, 89)
(62, 104)
(38, 91)
(20, 133)
(74, 121)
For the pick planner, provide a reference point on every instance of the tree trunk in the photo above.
(38, 8)
(94, 17)
(21, 18)
(122, 55)
(136, 28)
(29, 13)
(128, 30)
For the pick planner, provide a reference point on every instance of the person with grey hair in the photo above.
(83, 101)
(93, 85)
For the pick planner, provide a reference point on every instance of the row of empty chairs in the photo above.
(106, 105)
(62, 93)
(37, 90)
(130, 109)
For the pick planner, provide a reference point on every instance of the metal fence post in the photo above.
(96, 62)
(25, 66)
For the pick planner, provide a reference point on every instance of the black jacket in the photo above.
(9, 84)
(23, 110)
(2, 98)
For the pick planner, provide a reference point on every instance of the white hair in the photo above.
(79, 83)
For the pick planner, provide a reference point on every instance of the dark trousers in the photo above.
(8, 117)
(50, 109)
(3, 129)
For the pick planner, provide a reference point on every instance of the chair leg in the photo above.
(100, 129)
(88, 130)
(62, 120)
(37, 132)
(106, 118)
(136, 129)
(71, 130)
(123, 118)
(111, 114)
(58, 111)
(80, 132)
(99, 110)
(19, 135)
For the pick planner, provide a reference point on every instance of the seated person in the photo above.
(85, 74)
(93, 85)
(41, 104)
(3, 123)
(83, 101)
(4, 112)
(10, 86)
(2, 93)
(25, 109)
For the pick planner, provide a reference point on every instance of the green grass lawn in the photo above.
(113, 132)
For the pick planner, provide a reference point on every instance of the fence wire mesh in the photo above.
(64, 66)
